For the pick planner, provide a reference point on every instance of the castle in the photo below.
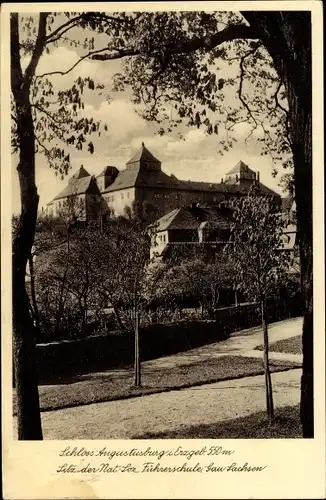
(143, 188)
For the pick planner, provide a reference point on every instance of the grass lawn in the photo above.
(118, 384)
(287, 426)
(292, 345)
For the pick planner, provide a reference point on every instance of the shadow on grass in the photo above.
(291, 345)
(287, 426)
(116, 386)
(66, 362)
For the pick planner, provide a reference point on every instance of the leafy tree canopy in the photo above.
(204, 69)
(201, 69)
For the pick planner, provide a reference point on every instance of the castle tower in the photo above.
(241, 175)
(107, 177)
(143, 160)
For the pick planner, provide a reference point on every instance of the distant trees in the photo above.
(193, 278)
(256, 255)
(122, 256)
(85, 267)
(85, 270)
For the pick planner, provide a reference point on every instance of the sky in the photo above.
(194, 158)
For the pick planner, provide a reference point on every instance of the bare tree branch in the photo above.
(240, 91)
(68, 24)
(52, 40)
(46, 150)
(53, 119)
(231, 32)
(94, 55)
(116, 54)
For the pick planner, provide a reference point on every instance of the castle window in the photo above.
(122, 196)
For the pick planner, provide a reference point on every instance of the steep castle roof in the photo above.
(80, 174)
(143, 154)
(142, 179)
(77, 186)
(159, 179)
(241, 168)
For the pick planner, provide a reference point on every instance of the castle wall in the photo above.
(75, 205)
(118, 201)
(160, 201)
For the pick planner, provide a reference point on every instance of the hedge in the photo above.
(61, 360)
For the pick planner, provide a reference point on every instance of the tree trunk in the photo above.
(24, 348)
(300, 119)
(137, 357)
(302, 152)
(287, 36)
(268, 380)
(28, 408)
(33, 296)
(62, 293)
(201, 308)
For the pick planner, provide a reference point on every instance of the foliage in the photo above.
(183, 68)
(59, 118)
(191, 279)
(204, 69)
(77, 280)
(122, 254)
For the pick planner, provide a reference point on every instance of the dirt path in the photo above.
(207, 404)
(240, 343)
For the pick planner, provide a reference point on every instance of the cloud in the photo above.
(63, 58)
(122, 121)
(59, 59)
(192, 143)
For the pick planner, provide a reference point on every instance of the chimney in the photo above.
(258, 176)
(222, 180)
